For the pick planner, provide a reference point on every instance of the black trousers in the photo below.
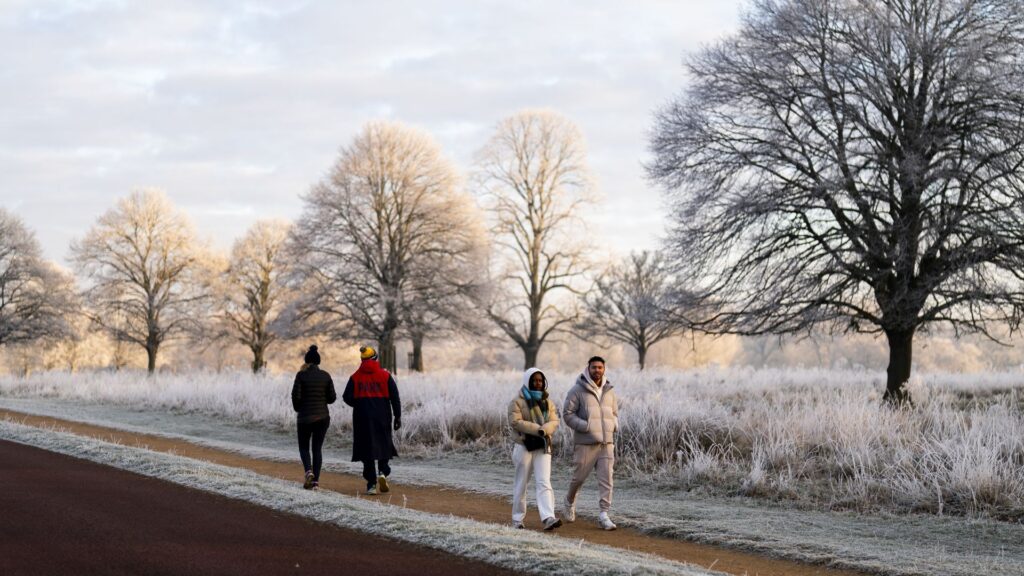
(370, 473)
(313, 432)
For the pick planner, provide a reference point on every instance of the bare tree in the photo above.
(533, 171)
(855, 165)
(445, 293)
(147, 273)
(631, 303)
(254, 287)
(389, 209)
(37, 300)
(115, 326)
(74, 349)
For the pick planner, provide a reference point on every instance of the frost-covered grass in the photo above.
(905, 545)
(519, 550)
(815, 438)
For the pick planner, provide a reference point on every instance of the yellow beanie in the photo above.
(366, 352)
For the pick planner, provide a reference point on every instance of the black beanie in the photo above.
(312, 356)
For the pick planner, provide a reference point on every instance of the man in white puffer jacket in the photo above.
(592, 411)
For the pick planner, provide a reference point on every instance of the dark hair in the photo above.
(596, 359)
(312, 356)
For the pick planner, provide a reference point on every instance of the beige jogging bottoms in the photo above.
(586, 457)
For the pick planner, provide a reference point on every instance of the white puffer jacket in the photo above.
(593, 414)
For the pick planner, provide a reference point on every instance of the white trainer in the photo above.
(569, 512)
(606, 522)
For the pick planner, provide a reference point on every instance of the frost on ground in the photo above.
(815, 439)
(889, 544)
(525, 551)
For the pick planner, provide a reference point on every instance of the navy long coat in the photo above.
(373, 396)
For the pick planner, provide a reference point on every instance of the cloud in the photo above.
(245, 104)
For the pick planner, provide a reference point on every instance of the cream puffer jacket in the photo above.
(519, 414)
(592, 414)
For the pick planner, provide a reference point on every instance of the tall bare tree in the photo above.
(533, 171)
(37, 300)
(855, 165)
(390, 209)
(252, 297)
(445, 293)
(146, 271)
(632, 303)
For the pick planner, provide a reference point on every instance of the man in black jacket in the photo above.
(312, 392)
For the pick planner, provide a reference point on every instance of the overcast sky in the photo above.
(235, 108)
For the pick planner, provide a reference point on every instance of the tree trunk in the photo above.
(901, 345)
(530, 353)
(387, 355)
(118, 357)
(258, 361)
(151, 351)
(641, 352)
(417, 354)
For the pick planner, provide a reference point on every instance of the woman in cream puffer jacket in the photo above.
(533, 418)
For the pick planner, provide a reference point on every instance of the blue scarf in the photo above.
(533, 401)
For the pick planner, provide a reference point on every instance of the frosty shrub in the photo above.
(814, 438)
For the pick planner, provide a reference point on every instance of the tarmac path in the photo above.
(450, 501)
(62, 515)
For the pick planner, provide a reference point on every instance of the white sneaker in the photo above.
(382, 481)
(569, 512)
(606, 522)
(518, 525)
(372, 490)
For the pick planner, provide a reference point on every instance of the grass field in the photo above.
(811, 438)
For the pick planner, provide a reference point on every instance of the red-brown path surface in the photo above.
(62, 515)
(443, 500)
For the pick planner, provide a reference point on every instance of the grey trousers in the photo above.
(587, 457)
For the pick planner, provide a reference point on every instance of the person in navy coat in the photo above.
(373, 395)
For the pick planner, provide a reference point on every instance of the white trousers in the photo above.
(540, 464)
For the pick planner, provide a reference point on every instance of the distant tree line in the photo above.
(394, 243)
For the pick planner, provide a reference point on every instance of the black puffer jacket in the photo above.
(312, 392)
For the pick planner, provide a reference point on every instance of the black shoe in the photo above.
(552, 523)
